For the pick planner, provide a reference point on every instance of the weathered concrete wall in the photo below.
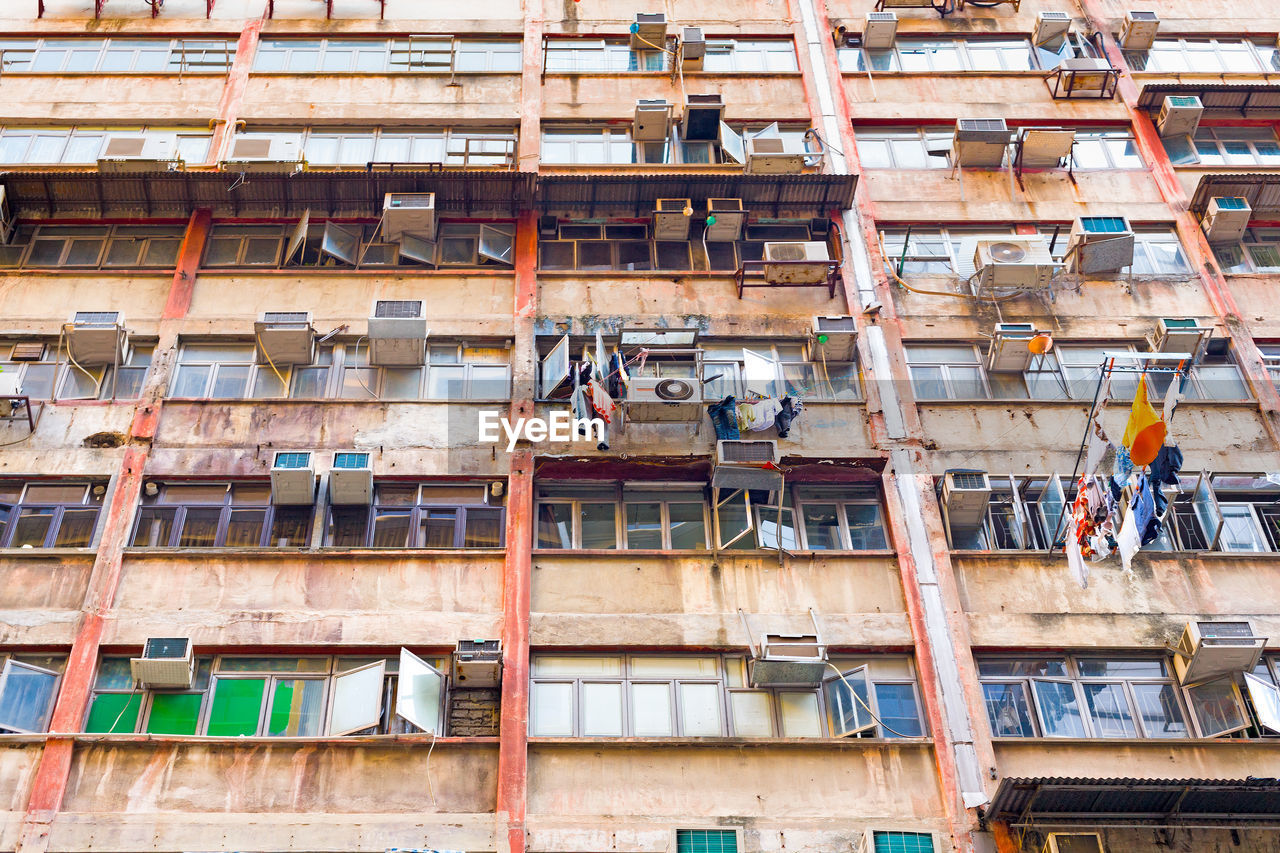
(749, 16)
(114, 99)
(969, 94)
(18, 762)
(66, 441)
(417, 98)
(1215, 759)
(756, 98)
(290, 15)
(39, 303)
(41, 594)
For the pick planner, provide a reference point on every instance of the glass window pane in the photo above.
(237, 704)
(155, 527)
(174, 713)
(1109, 710)
(390, 528)
(601, 710)
(1216, 708)
(866, 528)
(200, 528)
(76, 528)
(26, 698)
(551, 707)
(1158, 707)
(644, 525)
(751, 714)
(290, 527)
(821, 527)
(114, 713)
(1059, 711)
(776, 529)
(847, 702)
(1008, 710)
(651, 710)
(296, 706)
(437, 528)
(555, 525)
(598, 525)
(799, 712)
(898, 710)
(688, 526)
(700, 710)
(32, 528)
(191, 380)
(244, 530)
(483, 529)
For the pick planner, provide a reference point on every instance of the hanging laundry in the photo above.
(1075, 557)
(601, 360)
(1143, 510)
(618, 380)
(1127, 541)
(1122, 467)
(1172, 398)
(758, 415)
(784, 418)
(601, 402)
(724, 418)
(1164, 472)
(1144, 433)
(1096, 445)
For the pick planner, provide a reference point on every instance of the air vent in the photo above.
(746, 452)
(292, 479)
(350, 460)
(27, 352)
(398, 308)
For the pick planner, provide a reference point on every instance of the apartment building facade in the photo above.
(269, 266)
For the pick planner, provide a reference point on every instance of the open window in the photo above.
(1265, 698)
(732, 144)
(496, 244)
(555, 369)
(298, 239)
(775, 528)
(1205, 506)
(417, 248)
(357, 699)
(1018, 527)
(733, 518)
(849, 703)
(1052, 505)
(341, 243)
(419, 698)
(1217, 707)
(26, 697)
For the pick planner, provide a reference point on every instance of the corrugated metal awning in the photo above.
(1261, 189)
(768, 195)
(1243, 98)
(1047, 800)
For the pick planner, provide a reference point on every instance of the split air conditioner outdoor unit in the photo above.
(293, 480)
(1210, 649)
(774, 155)
(879, 30)
(729, 217)
(1018, 263)
(649, 31)
(166, 662)
(350, 479)
(1179, 114)
(1049, 26)
(1180, 334)
(1140, 30)
(669, 219)
(834, 337)
(1073, 842)
(285, 337)
(265, 155)
(1226, 219)
(702, 116)
(965, 496)
(1009, 352)
(654, 400)
(98, 337)
(652, 121)
(980, 142)
(477, 664)
(1100, 244)
(693, 47)
(397, 333)
(789, 660)
(139, 154)
(413, 212)
(802, 263)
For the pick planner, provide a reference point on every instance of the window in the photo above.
(930, 148)
(1258, 252)
(40, 367)
(416, 54)
(411, 515)
(598, 56)
(117, 56)
(85, 145)
(896, 841)
(1264, 696)
(710, 696)
(28, 687)
(1205, 56)
(358, 147)
(103, 247)
(933, 55)
(219, 515)
(625, 246)
(946, 372)
(706, 841)
(775, 370)
(1082, 697)
(237, 696)
(357, 245)
(49, 513)
(1271, 358)
(1225, 146)
(612, 144)
(749, 56)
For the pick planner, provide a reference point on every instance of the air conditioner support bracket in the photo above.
(756, 269)
(1063, 83)
(22, 402)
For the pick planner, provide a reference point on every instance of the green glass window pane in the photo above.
(113, 713)
(706, 841)
(174, 714)
(903, 842)
(296, 704)
(237, 702)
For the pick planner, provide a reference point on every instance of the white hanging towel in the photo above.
(1075, 559)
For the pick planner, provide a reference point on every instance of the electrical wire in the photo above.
(870, 713)
(284, 386)
(97, 383)
(132, 693)
(359, 378)
(431, 791)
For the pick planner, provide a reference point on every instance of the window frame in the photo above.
(11, 514)
(416, 513)
(175, 61)
(226, 508)
(397, 54)
(8, 661)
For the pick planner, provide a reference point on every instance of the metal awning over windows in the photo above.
(1260, 189)
(1247, 99)
(767, 195)
(1045, 801)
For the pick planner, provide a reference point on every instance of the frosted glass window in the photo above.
(799, 712)
(674, 667)
(700, 709)
(651, 710)
(751, 715)
(577, 666)
(602, 710)
(552, 710)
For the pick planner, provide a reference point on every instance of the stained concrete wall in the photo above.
(41, 593)
(372, 99)
(925, 98)
(18, 763)
(755, 98)
(110, 99)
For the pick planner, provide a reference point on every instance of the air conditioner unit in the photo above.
(653, 400)
(1021, 263)
(774, 155)
(1009, 352)
(285, 337)
(652, 121)
(1180, 334)
(702, 117)
(965, 495)
(397, 332)
(1045, 148)
(747, 464)
(802, 263)
(879, 30)
(649, 31)
(1140, 30)
(166, 662)
(415, 212)
(789, 660)
(9, 387)
(757, 452)
(350, 479)
(980, 142)
(693, 47)
(139, 154)
(477, 664)
(1226, 219)
(1049, 26)
(670, 222)
(293, 480)
(834, 337)
(1179, 114)
(1073, 842)
(265, 155)
(98, 337)
(1210, 649)
(1088, 74)
(1100, 244)
(729, 217)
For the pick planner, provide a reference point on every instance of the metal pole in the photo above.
(1105, 367)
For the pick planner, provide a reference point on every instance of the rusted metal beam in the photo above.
(234, 88)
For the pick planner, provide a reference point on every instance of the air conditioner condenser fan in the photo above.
(674, 389)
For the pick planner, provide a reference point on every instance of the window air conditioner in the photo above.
(139, 154)
(1100, 244)
(1226, 219)
(293, 480)
(670, 221)
(1021, 263)
(1179, 114)
(1180, 334)
(1210, 649)
(789, 660)
(879, 30)
(1045, 148)
(965, 496)
(1089, 74)
(350, 479)
(9, 387)
(693, 47)
(653, 400)
(414, 212)
(1009, 352)
(729, 217)
(980, 142)
(1139, 31)
(1073, 842)
(1050, 26)
(652, 122)
(702, 117)
(650, 27)
(397, 333)
(265, 155)
(285, 337)
(166, 662)
(98, 337)
(793, 270)
(774, 155)
(477, 664)
(747, 464)
(834, 337)
(757, 452)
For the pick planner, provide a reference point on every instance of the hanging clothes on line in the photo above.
(724, 418)
(1144, 432)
